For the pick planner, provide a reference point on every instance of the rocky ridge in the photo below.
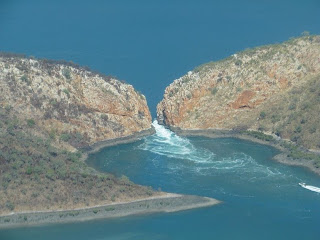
(73, 105)
(242, 91)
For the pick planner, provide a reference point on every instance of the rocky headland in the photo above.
(269, 93)
(51, 114)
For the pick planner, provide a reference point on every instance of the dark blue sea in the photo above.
(148, 44)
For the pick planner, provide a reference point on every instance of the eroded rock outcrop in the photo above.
(73, 105)
(245, 91)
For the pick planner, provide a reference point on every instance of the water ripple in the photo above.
(203, 161)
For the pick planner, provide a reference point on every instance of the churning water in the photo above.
(261, 198)
(204, 161)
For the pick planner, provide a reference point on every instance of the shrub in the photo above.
(292, 106)
(66, 91)
(10, 206)
(66, 73)
(52, 134)
(275, 118)
(53, 102)
(8, 108)
(298, 129)
(313, 129)
(65, 137)
(104, 117)
(263, 115)
(113, 198)
(214, 91)
(24, 78)
(109, 209)
(50, 174)
(29, 171)
(259, 135)
(73, 157)
(31, 122)
(238, 62)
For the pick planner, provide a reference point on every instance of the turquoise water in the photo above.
(149, 43)
(261, 198)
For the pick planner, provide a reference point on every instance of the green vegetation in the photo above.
(297, 116)
(34, 174)
(259, 135)
(65, 137)
(108, 209)
(66, 91)
(296, 152)
(238, 62)
(293, 151)
(31, 123)
(214, 91)
(263, 115)
(273, 49)
(24, 78)
(66, 73)
(186, 79)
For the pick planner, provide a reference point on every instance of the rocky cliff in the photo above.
(71, 104)
(48, 111)
(274, 89)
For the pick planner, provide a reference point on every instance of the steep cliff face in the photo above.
(243, 91)
(73, 105)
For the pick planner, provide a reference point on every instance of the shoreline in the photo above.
(224, 133)
(96, 147)
(121, 140)
(166, 203)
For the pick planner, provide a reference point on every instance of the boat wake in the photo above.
(309, 187)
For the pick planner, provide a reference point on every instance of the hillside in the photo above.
(70, 103)
(49, 111)
(272, 89)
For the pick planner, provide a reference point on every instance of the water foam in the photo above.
(167, 143)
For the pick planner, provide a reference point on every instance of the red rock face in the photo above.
(233, 91)
(244, 100)
(71, 100)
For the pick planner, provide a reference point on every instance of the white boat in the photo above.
(309, 187)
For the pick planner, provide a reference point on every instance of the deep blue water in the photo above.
(149, 43)
(261, 198)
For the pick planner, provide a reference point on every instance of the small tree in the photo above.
(263, 115)
(66, 73)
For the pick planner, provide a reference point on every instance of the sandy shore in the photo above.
(281, 157)
(165, 203)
